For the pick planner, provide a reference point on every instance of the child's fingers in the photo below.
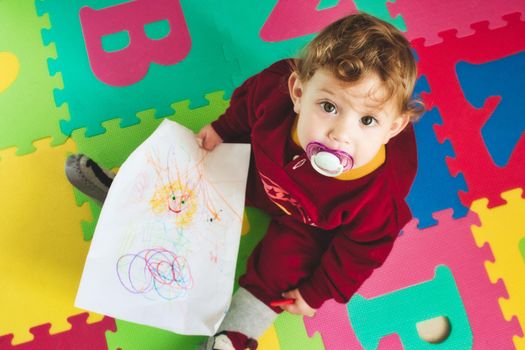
(208, 144)
(202, 133)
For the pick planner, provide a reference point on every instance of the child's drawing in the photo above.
(165, 247)
(155, 270)
(182, 199)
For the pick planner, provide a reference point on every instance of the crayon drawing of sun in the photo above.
(177, 201)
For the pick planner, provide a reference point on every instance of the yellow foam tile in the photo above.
(43, 251)
(503, 228)
(269, 340)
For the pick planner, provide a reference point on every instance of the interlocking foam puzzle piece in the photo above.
(81, 336)
(462, 122)
(259, 33)
(292, 334)
(427, 19)
(503, 228)
(504, 77)
(91, 101)
(373, 318)
(433, 189)
(28, 112)
(413, 260)
(129, 336)
(43, 252)
(121, 141)
(88, 227)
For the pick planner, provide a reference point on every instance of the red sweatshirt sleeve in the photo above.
(238, 118)
(246, 104)
(355, 251)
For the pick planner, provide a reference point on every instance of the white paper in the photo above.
(166, 243)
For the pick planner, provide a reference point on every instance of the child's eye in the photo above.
(328, 107)
(368, 120)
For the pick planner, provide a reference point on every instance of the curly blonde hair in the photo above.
(360, 44)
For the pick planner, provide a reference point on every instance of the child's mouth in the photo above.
(327, 161)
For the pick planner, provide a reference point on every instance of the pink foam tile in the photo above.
(425, 19)
(413, 260)
(292, 18)
(462, 122)
(81, 336)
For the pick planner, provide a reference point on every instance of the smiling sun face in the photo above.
(175, 200)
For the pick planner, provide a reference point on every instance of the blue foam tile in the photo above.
(434, 189)
(505, 78)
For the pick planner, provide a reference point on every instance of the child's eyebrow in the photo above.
(327, 91)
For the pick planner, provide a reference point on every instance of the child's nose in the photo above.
(340, 138)
(341, 134)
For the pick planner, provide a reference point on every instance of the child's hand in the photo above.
(208, 138)
(300, 307)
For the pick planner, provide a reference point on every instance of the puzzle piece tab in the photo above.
(427, 19)
(433, 188)
(292, 334)
(123, 140)
(81, 336)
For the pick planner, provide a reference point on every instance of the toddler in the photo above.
(333, 158)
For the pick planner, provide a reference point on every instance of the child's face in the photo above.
(351, 117)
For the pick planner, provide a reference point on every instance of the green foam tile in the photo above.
(28, 108)
(111, 148)
(292, 334)
(132, 336)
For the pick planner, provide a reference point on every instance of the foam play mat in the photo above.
(98, 76)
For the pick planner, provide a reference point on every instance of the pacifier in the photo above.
(327, 161)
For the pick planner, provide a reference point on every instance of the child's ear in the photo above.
(295, 87)
(398, 125)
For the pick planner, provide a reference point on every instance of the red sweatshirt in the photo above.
(365, 214)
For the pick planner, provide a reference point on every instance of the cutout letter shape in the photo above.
(165, 246)
(400, 311)
(130, 64)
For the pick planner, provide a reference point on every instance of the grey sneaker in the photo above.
(88, 176)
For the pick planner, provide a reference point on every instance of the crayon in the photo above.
(282, 302)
